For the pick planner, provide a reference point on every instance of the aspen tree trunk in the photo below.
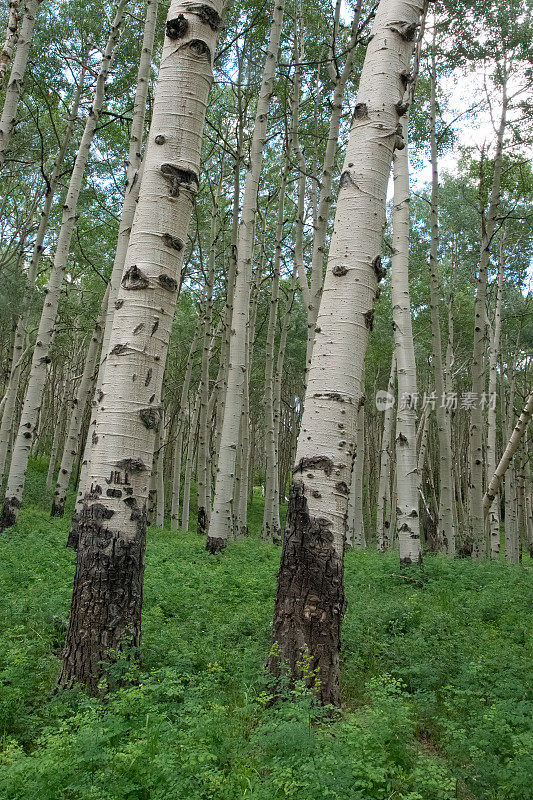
(310, 598)
(325, 194)
(79, 404)
(56, 440)
(494, 355)
(514, 440)
(9, 417)
(110, 554)
(221, 527)
(159, 470)
(10, 40)
(178, 447)
(446, 533)
(488, 225)
(382, 527)
(355, 533)
(407, 477)
(16, 78)
(189, 465)
(204, 494)
(271, 527)
(45, 334)
(131, 195)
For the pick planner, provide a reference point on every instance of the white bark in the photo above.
(221, 527)
(45, 334)
(16, 78)
(10, 40)
(355, 533)
(488, 225)
(79, 404)
(407, 477)
(382, 524)
(327, 438)
(494, 356)
(189, 465)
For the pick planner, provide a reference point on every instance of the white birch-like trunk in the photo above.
(159, 470)
(494, 357)
(382, 523)
(10, 40)
(355, 533)
(45, 335)
(79, 404)
(407, 477)
(189, 466)
(16, 78)
(446, 533)
(129, 411)
(221, 527)
(271, 528)
(310, 598)
(488, 225)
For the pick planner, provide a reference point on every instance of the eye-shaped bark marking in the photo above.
(155, 326)
(134, 279)
(172, 241)
(346, 179)
(401, 108)
(405, 30)
(179, 178)
(342, 488)
(160, 139)
(369, 319)
(315, 462)
(207, 15)
(119, 304)
(360, 112)
(119, 349)
(168, 283)
(148, 377)
(177, 28)
(339, 271)
(150, 418)
(138, 328)
(199, 49)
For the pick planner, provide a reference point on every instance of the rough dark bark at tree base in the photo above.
(8, 517)
(215, 544)
(310, 602)
(74, 534)
(105, 614)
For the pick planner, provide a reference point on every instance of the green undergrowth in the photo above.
(435, 670)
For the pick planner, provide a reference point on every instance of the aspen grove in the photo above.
(266, 309)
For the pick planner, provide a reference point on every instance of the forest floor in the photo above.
(436, 669)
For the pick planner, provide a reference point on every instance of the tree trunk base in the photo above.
(8, 517)
(201, 524)
(58, 508)
(105, 615)
(215, 544)
(310, 603)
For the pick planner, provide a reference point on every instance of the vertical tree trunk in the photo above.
(10, 40)
(9, 417)
(16, 78)
(382, 526)
(446, 527)
(407, 477)
(189, 466)
(488, 224)
(133, 181)
(112, 525)
(271, 528)
(221, 527)
(494, 357)
(310, 598)
(79, 404)
(355, 533)
(45, 334)
(159, 470)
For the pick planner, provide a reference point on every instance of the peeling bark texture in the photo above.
(488, 225)
(123, 452)
(16, 78)
(310, 602)
(222, 518)
(10, 40)
(45, 335)
(407, 476)
(335, 381)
